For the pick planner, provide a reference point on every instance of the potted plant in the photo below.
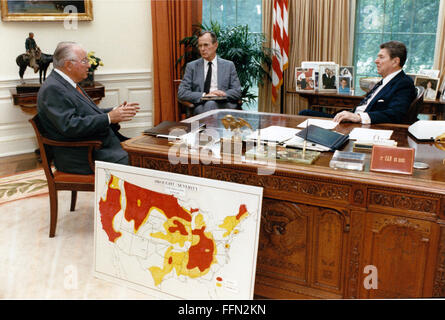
(237, 44)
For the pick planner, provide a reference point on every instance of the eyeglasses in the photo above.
(83, 61)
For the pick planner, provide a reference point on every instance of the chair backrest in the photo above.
(414, 108)
(45, 150)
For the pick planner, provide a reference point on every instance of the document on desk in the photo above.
(298, 142)
(273, 134)
(363, 134)
(325, 124)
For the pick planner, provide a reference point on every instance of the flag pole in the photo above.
(282, 97)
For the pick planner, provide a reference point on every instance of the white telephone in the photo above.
(428, 130)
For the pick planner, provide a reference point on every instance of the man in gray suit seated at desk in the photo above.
(67, 113)
(210, 82)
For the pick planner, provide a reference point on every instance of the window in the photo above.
(231, 13)
(414, 22)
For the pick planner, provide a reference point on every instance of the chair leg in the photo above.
(53, 212)
(73, 200)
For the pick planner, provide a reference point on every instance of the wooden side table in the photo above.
(331, 102)
(28, 101)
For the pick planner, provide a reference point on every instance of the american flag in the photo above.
(280, 45)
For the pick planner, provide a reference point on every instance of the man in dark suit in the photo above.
(68, 114)
(389, 100)
(203, 82)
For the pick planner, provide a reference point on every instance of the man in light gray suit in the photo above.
(66, 113)
(210, 82)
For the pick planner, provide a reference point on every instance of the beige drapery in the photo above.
(319, 30)
(439, 61)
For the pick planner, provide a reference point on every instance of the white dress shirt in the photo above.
(360, 110)
(64, 76)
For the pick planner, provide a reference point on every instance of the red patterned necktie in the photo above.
(80, 90)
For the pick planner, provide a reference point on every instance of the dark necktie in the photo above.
(208, 79)
(370, 93)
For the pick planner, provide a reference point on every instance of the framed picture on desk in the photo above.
(13, 10)
(431, 86)
(304, 78)
(442, 91)
(328, 77)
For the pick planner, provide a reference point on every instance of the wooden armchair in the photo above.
(58, 180)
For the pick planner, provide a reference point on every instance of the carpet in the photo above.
(34, 266)
(23, 185)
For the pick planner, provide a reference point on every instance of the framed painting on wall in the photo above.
(46, 10)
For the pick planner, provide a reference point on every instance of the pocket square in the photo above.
(381, 100)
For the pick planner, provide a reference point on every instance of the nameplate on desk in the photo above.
(392, 159)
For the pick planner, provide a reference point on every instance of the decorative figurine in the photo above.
(33, 58)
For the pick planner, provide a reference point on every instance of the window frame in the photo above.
(354, 37)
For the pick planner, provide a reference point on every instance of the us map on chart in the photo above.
(176, 236)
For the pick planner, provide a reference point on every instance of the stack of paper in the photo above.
(325, 124)
(275, 134)
(364, 134)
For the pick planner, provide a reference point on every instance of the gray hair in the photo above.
(64, 52)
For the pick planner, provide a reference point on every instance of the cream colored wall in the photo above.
(120, 35)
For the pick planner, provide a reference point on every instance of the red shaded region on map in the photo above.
(108, 210)
(179, 227)
(140, 201)
(242, 211)
(201, 254)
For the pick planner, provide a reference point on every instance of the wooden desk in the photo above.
(331, 102)
(321, 227)
(28, 101)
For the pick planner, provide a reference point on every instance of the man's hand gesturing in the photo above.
(125, 112)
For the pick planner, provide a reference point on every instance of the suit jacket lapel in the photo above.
(200, 74)
(220, 72)
(383, 91)
(84, 98)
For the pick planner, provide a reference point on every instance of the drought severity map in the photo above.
(176, 236)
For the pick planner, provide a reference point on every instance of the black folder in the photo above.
(327, 138)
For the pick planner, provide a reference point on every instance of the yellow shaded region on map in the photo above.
(178, 261)
(231, 222)
(173, 233)
(198, 256)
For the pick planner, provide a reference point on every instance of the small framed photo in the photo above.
(344, 86)
(347, 71)
(431, 86)
(328, 77)
(305, 79)
(442, 90)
